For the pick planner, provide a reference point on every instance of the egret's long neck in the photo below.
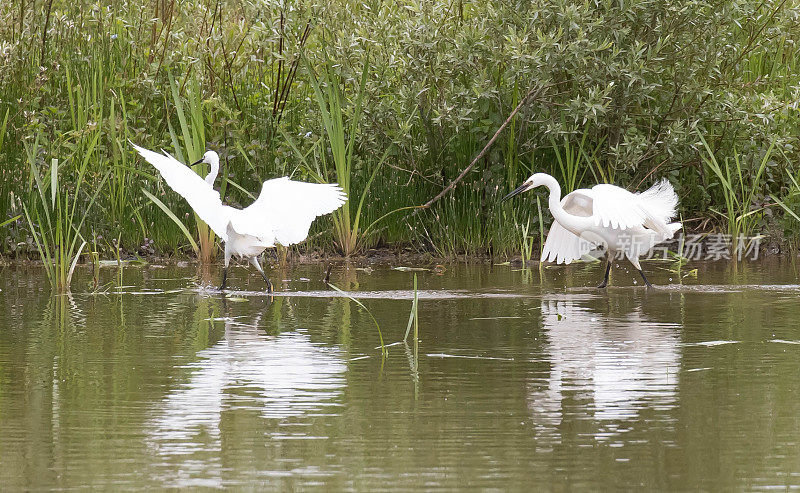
(569, 221)
(212, 176)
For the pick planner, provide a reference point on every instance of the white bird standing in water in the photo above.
(282, 213)
(607, 216)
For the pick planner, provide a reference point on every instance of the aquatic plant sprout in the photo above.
(384, 351)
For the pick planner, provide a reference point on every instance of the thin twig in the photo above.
(44, 32)
(533, 93)
(287, 85)
(280, 68)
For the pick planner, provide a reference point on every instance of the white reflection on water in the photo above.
(606, 368)
(279, 377)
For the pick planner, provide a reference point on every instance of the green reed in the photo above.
(341, 142)
(739, 185)
(789, 203)
(188, 147)
(56, 213)
(3, 127)
(413, 320)
(194, 146)
(570, 162)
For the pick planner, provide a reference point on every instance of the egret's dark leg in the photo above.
(608, 270)
(225, 268)
(254, 261)
(224, 277)
(645, 279)
(327, 276)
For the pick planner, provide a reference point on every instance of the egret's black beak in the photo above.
(519, 190)
(197, 162)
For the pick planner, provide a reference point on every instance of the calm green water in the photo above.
(519, 383)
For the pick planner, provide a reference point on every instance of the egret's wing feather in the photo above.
(284, 211)
(578, 202)
(202, 197)
(563, 246)
(618, 208)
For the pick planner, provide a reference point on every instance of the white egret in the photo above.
(282, 213)
(605, 216)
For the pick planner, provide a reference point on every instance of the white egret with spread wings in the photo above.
(605, 216)
(282, 213)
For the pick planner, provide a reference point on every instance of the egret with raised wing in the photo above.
(608, 217)
(282, 213)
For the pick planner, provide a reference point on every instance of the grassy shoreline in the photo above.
(394, 103)
(771, 247)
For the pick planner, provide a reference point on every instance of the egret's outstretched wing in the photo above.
(284, 211)
(562, 246)
(618, 208)
(201, 196)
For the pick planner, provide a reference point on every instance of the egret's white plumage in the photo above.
(282, 213)
(605, 216)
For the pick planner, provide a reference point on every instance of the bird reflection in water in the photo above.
(604, 367)
(279, 377)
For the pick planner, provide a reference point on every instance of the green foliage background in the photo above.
(629, 87)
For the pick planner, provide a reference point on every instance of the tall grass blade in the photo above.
(9, 221)
(412, 316)
(174, 218)
(74, 263)
(3, 128)
(192, 148)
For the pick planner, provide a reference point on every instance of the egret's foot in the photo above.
(327, 276)
(602, 284)
(269, 286)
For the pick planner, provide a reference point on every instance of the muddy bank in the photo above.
(696, 246)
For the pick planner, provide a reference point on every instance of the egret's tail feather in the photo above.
(674, 227)
(661, 201)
